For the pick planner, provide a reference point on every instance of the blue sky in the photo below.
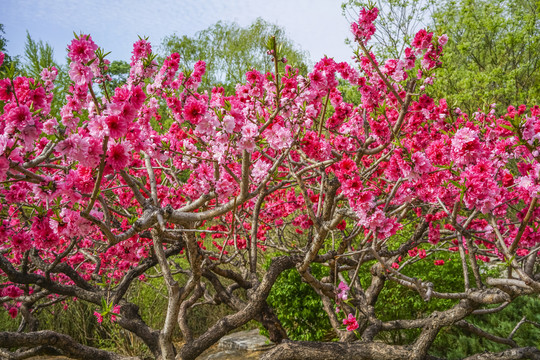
(315, 25)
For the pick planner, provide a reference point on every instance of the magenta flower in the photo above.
(82, 50)
(13, 311)
(194, 110)
(364, 29)
(12, 291)
(118, 156)
(99, 317)
(351, 323)
(117, 125)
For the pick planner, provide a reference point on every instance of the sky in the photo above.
(316, 26)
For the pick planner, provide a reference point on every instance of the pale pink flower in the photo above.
(443, 39)
(247, 144)
(80, 74)
(260, 170)
(98, 127)
(279, 137)
(422, 164)
(228, 123)
(465, 146)
(49, 127)
(3, 143)
(249, 130)
(343, 291)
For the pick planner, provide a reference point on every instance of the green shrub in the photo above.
(298, 307)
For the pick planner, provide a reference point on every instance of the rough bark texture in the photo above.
(511, 354)
(306, 350)
(255, 306)
(63, 343)
(132, 321)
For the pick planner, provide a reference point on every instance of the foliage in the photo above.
(230, 50)
(501, 325)
(298, 307)
(8, 60)
(399, 20)
(492, 51)
(119, 72)
(39, 55)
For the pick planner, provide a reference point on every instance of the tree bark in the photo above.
(63, 343)
(511, 354)
(307, 350)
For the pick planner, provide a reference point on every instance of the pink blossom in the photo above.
(141, 49)
(4, 140)
(49, 126)
(422, 164)
(247, 144)
(82, 50)
(13, 311)
(364, 28)
(4, 167)
(98, 127)
(343, 291)
(99, 317)
(249, 130)
(12, 291)
(422, 39)
(278, 137)
(260, 170)
(80, 74)
(117, 126)
(118, 155)
(194, 110)
(530, 185)
(18, 118)
(465, 146)
(351, 322)
(115, 310)
(49, 74)
(228, 123)
(434, 235)
(443, 39)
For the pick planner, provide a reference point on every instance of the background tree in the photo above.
(230, 50)
(8, 60)
(119, 72)
(397, 22)
(492, 54)
(39, 55)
